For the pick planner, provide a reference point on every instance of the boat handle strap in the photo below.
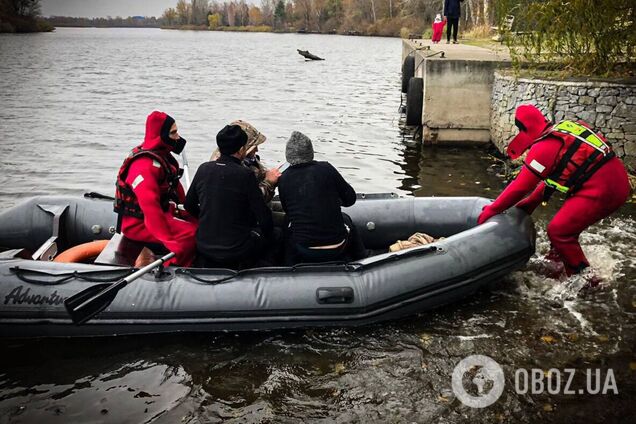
(331, 295)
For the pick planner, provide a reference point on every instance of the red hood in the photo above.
(537, 126)
(152, 140)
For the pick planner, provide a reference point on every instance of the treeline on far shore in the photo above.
(109, 22)
(354, 17)
(364, 17)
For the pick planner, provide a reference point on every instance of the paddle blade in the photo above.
(88, 303)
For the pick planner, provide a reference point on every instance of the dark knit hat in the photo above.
(230, 139)
(299, 149)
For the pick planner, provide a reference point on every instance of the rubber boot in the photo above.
(592, 280)
(551, 266)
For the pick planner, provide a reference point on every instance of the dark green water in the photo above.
(399, 372)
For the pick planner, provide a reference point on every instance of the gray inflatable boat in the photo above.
(383, 287)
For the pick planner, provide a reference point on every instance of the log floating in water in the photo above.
(307, 55)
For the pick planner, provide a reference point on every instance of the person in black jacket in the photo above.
(311, 194)
(235, 224)
(267, 178)
(452, 11)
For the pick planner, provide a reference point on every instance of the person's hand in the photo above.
(272, 176)
(486, 213)
(173, 208)
(182, 213)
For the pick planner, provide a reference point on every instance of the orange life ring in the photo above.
(82, 253)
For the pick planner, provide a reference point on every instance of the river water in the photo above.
(73, 102)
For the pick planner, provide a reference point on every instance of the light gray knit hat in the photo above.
(299, 149)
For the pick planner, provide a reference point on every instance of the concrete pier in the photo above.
(458, 81)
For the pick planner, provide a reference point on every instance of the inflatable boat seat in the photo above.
(120, 251)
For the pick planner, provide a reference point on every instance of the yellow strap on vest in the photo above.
(572, 128)
(551, 183)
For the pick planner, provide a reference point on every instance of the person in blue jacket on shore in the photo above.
(452, 11)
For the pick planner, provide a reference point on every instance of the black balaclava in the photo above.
(177, 146)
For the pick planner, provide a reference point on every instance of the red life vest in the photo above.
(582, 154)
(126, 202)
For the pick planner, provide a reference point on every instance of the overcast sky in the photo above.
(103, 8)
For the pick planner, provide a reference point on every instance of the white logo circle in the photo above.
(486, 374)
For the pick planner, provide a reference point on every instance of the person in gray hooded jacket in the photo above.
(311, 194)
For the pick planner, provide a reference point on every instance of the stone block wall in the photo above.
(608, 106)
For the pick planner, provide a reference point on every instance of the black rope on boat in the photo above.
(195, 277)
(340, 265)
(318, 264)
(323, 266)
(84, 276)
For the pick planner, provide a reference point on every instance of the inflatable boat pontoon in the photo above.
(384, 287)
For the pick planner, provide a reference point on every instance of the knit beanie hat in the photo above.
(299, 149)
(230, 139)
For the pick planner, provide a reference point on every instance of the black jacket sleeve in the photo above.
(345, 191)
(281, 192)
(191, 203)
(258, 206)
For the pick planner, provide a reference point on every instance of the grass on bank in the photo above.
(248, 28)
(547, 64)
(481, 36)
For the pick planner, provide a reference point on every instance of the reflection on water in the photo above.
(398, 372)
(450, 171)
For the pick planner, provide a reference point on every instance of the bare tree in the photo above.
(267, 10)
(30, 8)
(183, 11)
(303, 8)
(373, 10)
(169, 16)
(230, 13)
(200, 9)
(478, 12)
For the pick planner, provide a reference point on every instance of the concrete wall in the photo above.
(457, 100)
(610, 107)
(457, 90)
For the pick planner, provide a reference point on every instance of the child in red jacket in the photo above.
(438, 28)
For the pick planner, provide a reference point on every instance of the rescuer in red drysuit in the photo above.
(148, 192)
(438, 28)
(594, 180)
